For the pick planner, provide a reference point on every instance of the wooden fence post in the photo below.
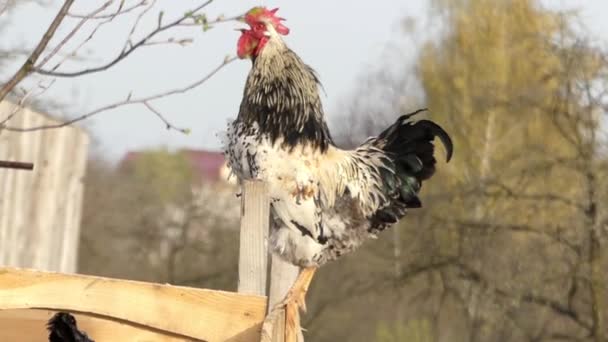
(282, 276)
(255, 275)
(253, 251)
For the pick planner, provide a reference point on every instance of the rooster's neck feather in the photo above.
(282, 96)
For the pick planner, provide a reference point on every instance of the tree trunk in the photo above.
(596, 275)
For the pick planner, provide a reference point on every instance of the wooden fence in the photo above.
(121, 310)
(111, 310)
(40, 215)
(40, 210)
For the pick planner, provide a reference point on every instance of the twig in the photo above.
(119, 11)
(550, 232)
(128, 101)
(469, 273)
(180, 42)
(165, 121)
(128, 48)
(21, 104)
(128, 42)
(16, 108)
(109, 19)
(28, 66)
(218, 20)
(72, 33)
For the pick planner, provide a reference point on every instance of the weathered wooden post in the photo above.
(282, 276)
(253, 249)
(256, 274)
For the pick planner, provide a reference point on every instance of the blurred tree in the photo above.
(170, 227)
(513, 81)
(414, 331)
(169, 176)
(510, 244)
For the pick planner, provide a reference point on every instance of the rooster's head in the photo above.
(263, 23)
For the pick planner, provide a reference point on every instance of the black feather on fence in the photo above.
(63, 328)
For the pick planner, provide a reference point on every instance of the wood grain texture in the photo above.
(282, 277)
(40, 210)
(195, 313)
(278, 333)
(253, 251)
(29, 325)
(273, 329)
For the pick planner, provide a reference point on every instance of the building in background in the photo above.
(40, 210)
(208, 166)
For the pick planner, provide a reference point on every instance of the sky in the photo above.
(341, 40)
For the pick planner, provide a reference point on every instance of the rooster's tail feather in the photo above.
(409, 149)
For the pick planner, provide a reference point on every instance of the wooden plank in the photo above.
(273, 329)
(195, 313)
(29, 325)
(253, 252)
(278, 333)
(282, 277)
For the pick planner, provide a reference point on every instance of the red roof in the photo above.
(207, 163)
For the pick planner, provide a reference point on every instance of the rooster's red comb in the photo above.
(258, 14)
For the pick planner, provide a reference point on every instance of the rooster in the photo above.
(325, 201)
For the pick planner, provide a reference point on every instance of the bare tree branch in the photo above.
(472, 275)
(162, 118)
(28, 66)
(108, 18)
(551, 232)
(128, 101)
(180, 42)
(72, 33)
(119, 11)
(21, 104)
(508, 192)
(129, 47)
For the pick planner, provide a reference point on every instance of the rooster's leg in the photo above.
(296, 299)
